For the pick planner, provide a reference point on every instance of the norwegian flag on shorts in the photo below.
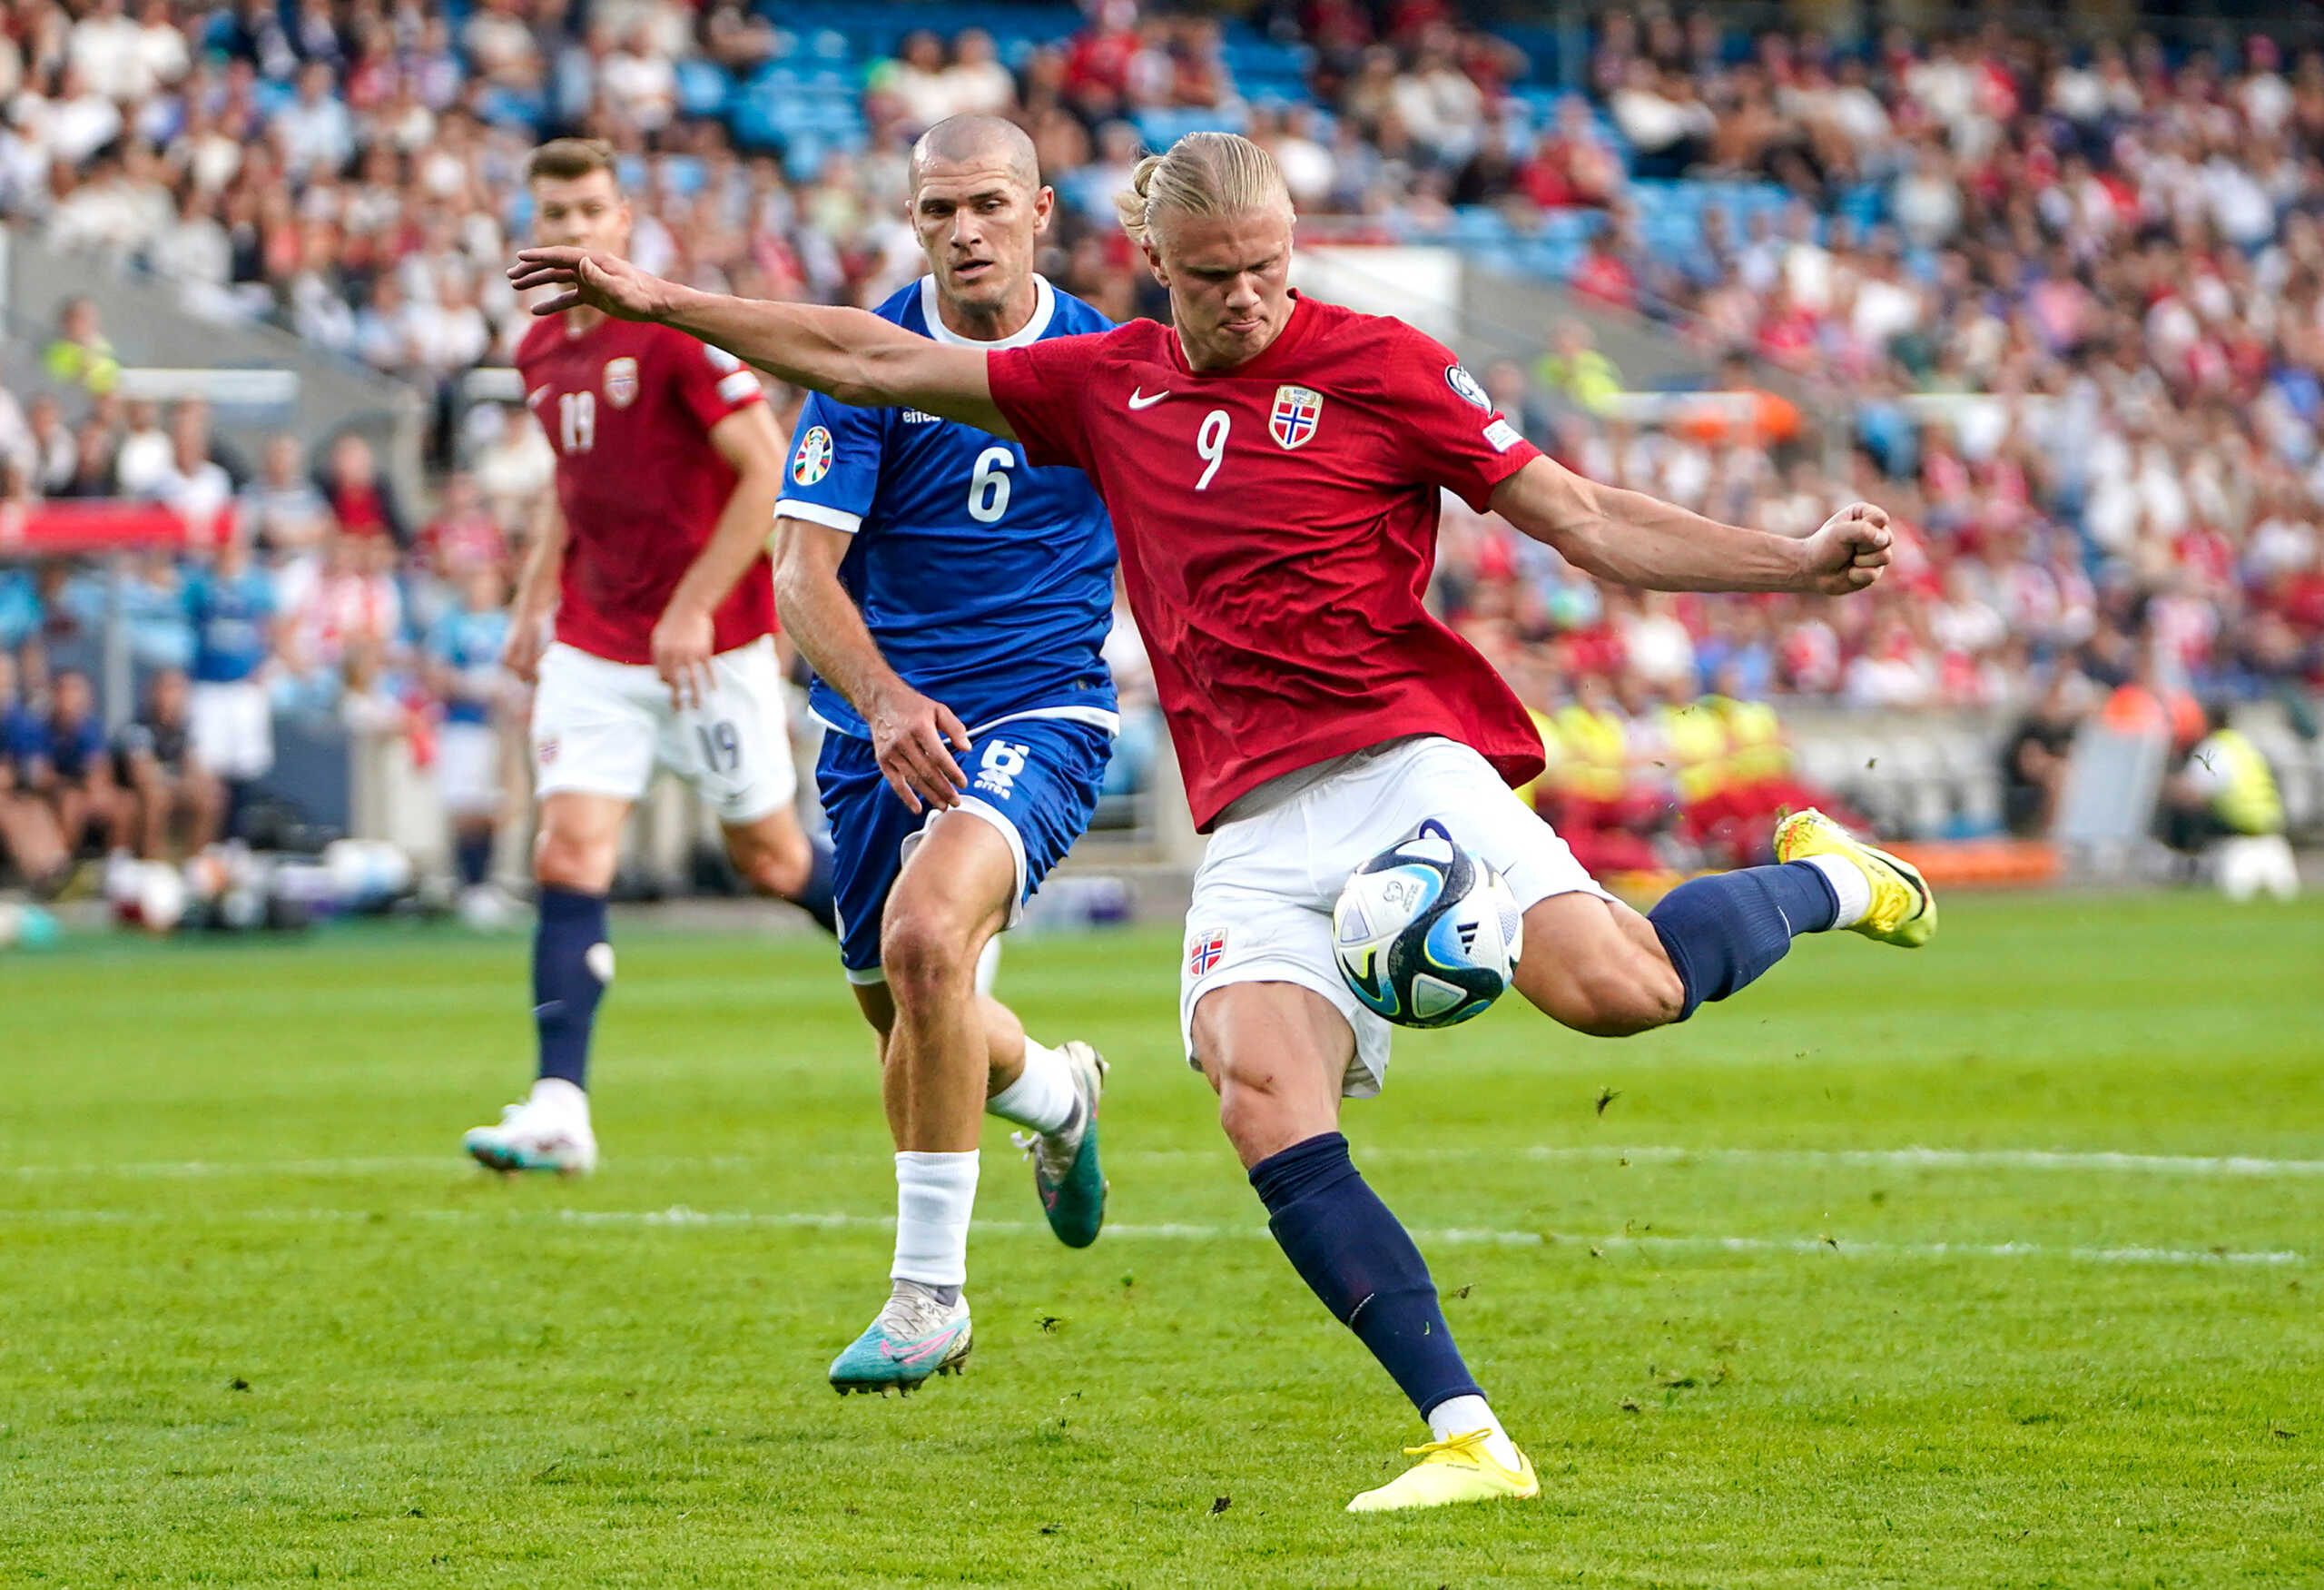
(1298, 411)
(1206, 954)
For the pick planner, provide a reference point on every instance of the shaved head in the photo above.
(979, 210)
(977, 141)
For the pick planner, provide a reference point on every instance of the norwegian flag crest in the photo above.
(1298, 411)
(1206, 952)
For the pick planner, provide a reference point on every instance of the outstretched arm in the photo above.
(845, 353)
(1634, 539)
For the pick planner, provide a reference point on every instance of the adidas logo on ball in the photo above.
(1426, 933)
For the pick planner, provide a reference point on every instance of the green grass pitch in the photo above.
(258, 1325)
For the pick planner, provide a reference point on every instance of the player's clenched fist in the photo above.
(914, 739)
(1849, 551)
(592, 277)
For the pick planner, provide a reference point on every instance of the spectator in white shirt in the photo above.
(107, 49)
(162, 46)
(977, 83)
(502, 47)
(914, 81)
(639, 83)
(141, 462)
(74, 125)
(193, 252)
(196, 486)
(112, 212)
(315, 131)
(1440, 106)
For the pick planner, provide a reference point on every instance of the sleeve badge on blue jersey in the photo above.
(812, 461)
(1467, 387)
(1298, 415)
(621, 382)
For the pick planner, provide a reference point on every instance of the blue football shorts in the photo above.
(1034, 779)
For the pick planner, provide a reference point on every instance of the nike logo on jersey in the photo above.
(1138, 400)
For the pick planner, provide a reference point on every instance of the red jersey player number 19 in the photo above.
(629, 410)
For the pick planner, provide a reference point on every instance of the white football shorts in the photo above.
(602, 728)
(468, 770)
(1263, 897)
(233, 729)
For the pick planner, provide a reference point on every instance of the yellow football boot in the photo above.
(1458, 1469)
(1903, 910)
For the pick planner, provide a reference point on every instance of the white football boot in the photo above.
(548, 1132)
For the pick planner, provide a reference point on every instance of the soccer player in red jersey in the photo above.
(654, 562)
(1273, 466)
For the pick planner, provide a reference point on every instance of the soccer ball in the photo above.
(1426, 934)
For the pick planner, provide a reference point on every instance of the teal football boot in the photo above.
(1064, 1164)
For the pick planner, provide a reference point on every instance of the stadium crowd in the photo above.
(2061, 311)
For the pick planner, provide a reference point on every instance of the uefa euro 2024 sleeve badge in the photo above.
(812, 461)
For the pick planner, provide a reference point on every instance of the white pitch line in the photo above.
(680, 1215)
(1922, 1159)
(1905, 1158)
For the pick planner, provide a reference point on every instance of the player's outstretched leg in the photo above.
(572, 963)
(1901, 908)
(1276, 1053)
(1617, 973)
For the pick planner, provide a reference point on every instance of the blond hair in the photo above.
(1205, 173)
(565, 160)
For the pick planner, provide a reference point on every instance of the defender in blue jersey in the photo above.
(463, 649)
(952, 602)
(231, 604)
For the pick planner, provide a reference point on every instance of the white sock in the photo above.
(1043, 1096)
(1848, 881)
(934, 1194)
(561, 1100)
(988, 965)
(1457, 1416)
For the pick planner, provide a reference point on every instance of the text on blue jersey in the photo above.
(987, 585)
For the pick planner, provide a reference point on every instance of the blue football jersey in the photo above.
(229, 617)
(468, 645)
(987, 585)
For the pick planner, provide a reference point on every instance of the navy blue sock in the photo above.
(817, 896)
(566, 987)
(1721, 931)
(473, 854)
(1346, 1245)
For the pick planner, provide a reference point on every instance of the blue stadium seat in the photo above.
(1163, 128)
(681, 176)
(703, 87)
(1477, 224)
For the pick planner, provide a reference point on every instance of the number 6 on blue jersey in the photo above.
(989, 485)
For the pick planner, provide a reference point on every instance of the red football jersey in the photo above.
(629, 410)
(1277, 524)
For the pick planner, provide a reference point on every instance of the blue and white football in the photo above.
(1425, 932)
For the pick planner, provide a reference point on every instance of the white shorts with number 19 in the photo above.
(602, 728)
(1262, 896)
